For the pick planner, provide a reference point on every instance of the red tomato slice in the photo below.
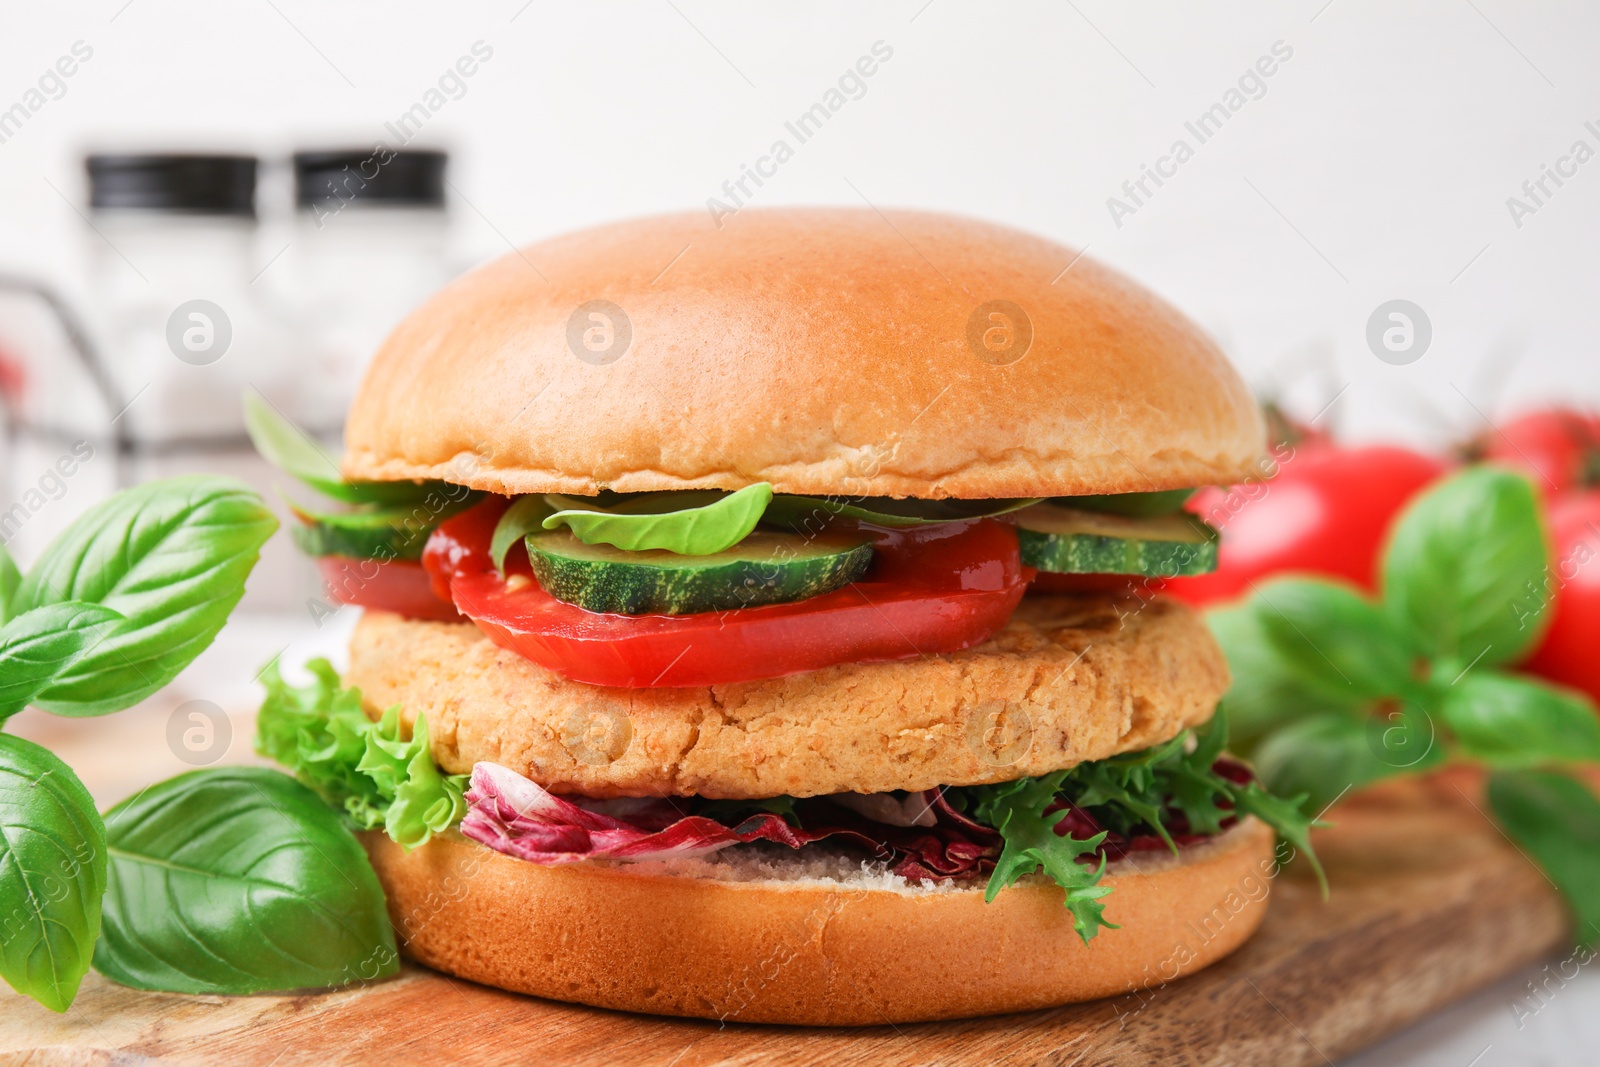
(1566, 653)
(931, 589)
(399, 585)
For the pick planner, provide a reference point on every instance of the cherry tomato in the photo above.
(931, 590)
(1558, 447)
(1567, 652)
(399, 585)
(1325, 512)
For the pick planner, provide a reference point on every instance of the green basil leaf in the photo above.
(1341, 644)
(299, 455)
(525, 515)
(172, 557)
(38, 646)
(10, 578)
(1322, 756)
(809, 514)
(238, 880)
(1460, 565)
(1556, 820)
(1268, 690)
(690, 523)
(52, 874)
(1137, 505)
(1515, 722)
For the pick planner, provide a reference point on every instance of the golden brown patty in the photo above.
(1065, 681)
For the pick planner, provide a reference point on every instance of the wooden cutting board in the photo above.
(1430, 902)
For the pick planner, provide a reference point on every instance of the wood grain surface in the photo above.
(1429, 903)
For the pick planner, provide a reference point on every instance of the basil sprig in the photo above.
(1334, 690)
(218, 881)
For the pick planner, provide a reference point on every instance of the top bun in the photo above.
(824, 350)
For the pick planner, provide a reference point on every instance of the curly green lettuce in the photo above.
(369, 770)
(1131, 794)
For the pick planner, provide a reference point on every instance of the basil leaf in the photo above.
(1460, 564)
(296, 453)
(703, 522)
(1557, 821)
(1341, 644)
(525, 515)
(1137, 505)
(52, 874)
(1267, 689)
(38, 646)
(1511, 721)
(1322, 756)
(809, 514)
(10, 578)
(238, 880)
(171, 556)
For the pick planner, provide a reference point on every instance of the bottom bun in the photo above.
(816, 940)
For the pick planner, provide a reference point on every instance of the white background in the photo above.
(1376, 166)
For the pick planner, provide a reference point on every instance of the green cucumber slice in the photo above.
(375, 533)
(764, 568)
(1138, 505)
(1071, 541)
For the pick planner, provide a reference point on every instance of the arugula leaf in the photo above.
(1460, 561)
(1322, 756)
(364, 768)
(1557, 820)
(1267, 690)
(809, 514)
(38, 646)
(1016, 810)
(525, 516)
(1339, 643)
(52, 874)
(694, 523)
(238, 880)
(1514, 722)
(170, 556)
(10, 578)
(296, 453)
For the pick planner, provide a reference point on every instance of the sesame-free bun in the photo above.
(785, 939)
(1067, 679)
(824, 350)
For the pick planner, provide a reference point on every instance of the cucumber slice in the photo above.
(377, 533)
(764, 568)
(1139, 505)
(1071, 541)
(809, 513)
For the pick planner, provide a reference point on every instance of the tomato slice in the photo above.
(931, 589)
(397, 585)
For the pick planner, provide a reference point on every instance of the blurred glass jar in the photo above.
(370, 243)
(182, 330)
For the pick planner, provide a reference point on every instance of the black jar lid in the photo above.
(176, 182)
(375, 176)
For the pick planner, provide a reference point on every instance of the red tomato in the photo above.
(931, 589)
(1325, 512)
(1567, 653)
(1558, 447)
(399, 585)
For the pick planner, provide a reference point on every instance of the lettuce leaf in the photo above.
(368, 770)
